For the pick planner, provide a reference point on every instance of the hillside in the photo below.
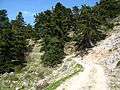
(67, 48)
(97, 69)
(101, 66)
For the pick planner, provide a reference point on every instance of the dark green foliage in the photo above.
(6, 37)
(53, 51)
(108, 9)
(88, 29)
(50, 28)
(29, 32)
(18, 23)
(89, 22)
(63, 21)
(118, 64)
(53, 28)
(18, 26)
(13, 44)
(86, 22)
(4, 21)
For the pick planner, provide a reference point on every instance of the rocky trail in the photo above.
(92, 78)
(101, 70)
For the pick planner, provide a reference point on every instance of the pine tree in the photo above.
(88, 33)
(63, 20)
(18, 26)
(4, 21)
(6, 43)
(53, 27)
(29, 32)
(108, 9)
(18, 23)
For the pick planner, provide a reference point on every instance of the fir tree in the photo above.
(88, 33)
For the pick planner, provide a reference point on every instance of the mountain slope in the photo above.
(100, 67)
(89, 79)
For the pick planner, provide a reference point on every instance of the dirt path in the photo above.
(99, 66)
(92, 78)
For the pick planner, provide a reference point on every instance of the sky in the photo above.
(30, 7)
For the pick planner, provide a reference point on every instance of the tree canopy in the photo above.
(53, 28)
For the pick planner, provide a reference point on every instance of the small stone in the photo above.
(41, 84)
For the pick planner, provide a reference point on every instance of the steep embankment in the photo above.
(101, 70)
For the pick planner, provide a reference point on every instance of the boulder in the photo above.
(41, 84)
